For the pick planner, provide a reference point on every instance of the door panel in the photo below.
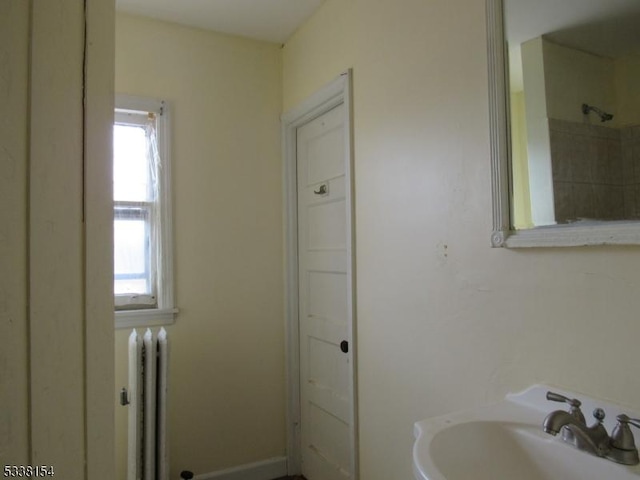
(330, 435)
(328, 296)
(323, 147)
(327, 226)
(326, 372)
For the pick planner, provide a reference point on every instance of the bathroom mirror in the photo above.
(565, 121)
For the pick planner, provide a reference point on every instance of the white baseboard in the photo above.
(264, 470)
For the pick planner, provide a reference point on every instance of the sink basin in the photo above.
(506, 441)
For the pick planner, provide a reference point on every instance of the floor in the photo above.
(297, 477)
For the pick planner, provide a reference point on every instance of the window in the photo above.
(143, 284)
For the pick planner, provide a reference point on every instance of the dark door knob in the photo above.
(344, 346)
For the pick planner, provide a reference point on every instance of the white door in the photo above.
(325, 299)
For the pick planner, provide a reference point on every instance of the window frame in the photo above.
(138, 211)
(164, 312)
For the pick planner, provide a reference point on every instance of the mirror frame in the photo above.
(583, 234)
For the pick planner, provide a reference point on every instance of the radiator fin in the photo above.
(148, 368)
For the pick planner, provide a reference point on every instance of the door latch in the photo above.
(323, 190)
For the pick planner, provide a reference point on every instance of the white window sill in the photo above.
(145, 318)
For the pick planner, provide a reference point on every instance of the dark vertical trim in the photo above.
(85, 412)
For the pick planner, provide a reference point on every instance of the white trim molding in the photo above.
(263, 470)
(498, 122)
(145, 318)
(335, 93)
(165, 312)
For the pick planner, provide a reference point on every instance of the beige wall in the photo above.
(445, 322)
(56, 312)
(227, 345)
(573, 77)
(14, 140)
(538, 137)
(322, 61)
(520, 164)
(627, 79)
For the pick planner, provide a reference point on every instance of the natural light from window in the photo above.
(130, 165)
(142, 219)
(133, 195)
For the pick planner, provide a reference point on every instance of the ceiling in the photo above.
(582, 24)
(607, 28)
(602, 27)
(268, 20)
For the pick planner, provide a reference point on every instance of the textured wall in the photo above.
(14, 380)
(444, 321)
(227, 345)
(56, 308)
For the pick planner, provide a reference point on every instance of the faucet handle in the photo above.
(622, 437)
(574, 404)
(556, 397)
(599, 414)
(633, 421)
(623, 446)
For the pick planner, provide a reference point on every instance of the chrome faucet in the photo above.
(620, 447)
(593, 439)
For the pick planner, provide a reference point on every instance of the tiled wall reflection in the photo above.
(630, 143)
(596, 171)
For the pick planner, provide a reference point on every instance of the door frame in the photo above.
(339, 91)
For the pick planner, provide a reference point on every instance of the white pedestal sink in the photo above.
(505, 441)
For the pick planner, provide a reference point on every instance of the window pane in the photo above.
(131, 257)
(129, 287)
(130, 164)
